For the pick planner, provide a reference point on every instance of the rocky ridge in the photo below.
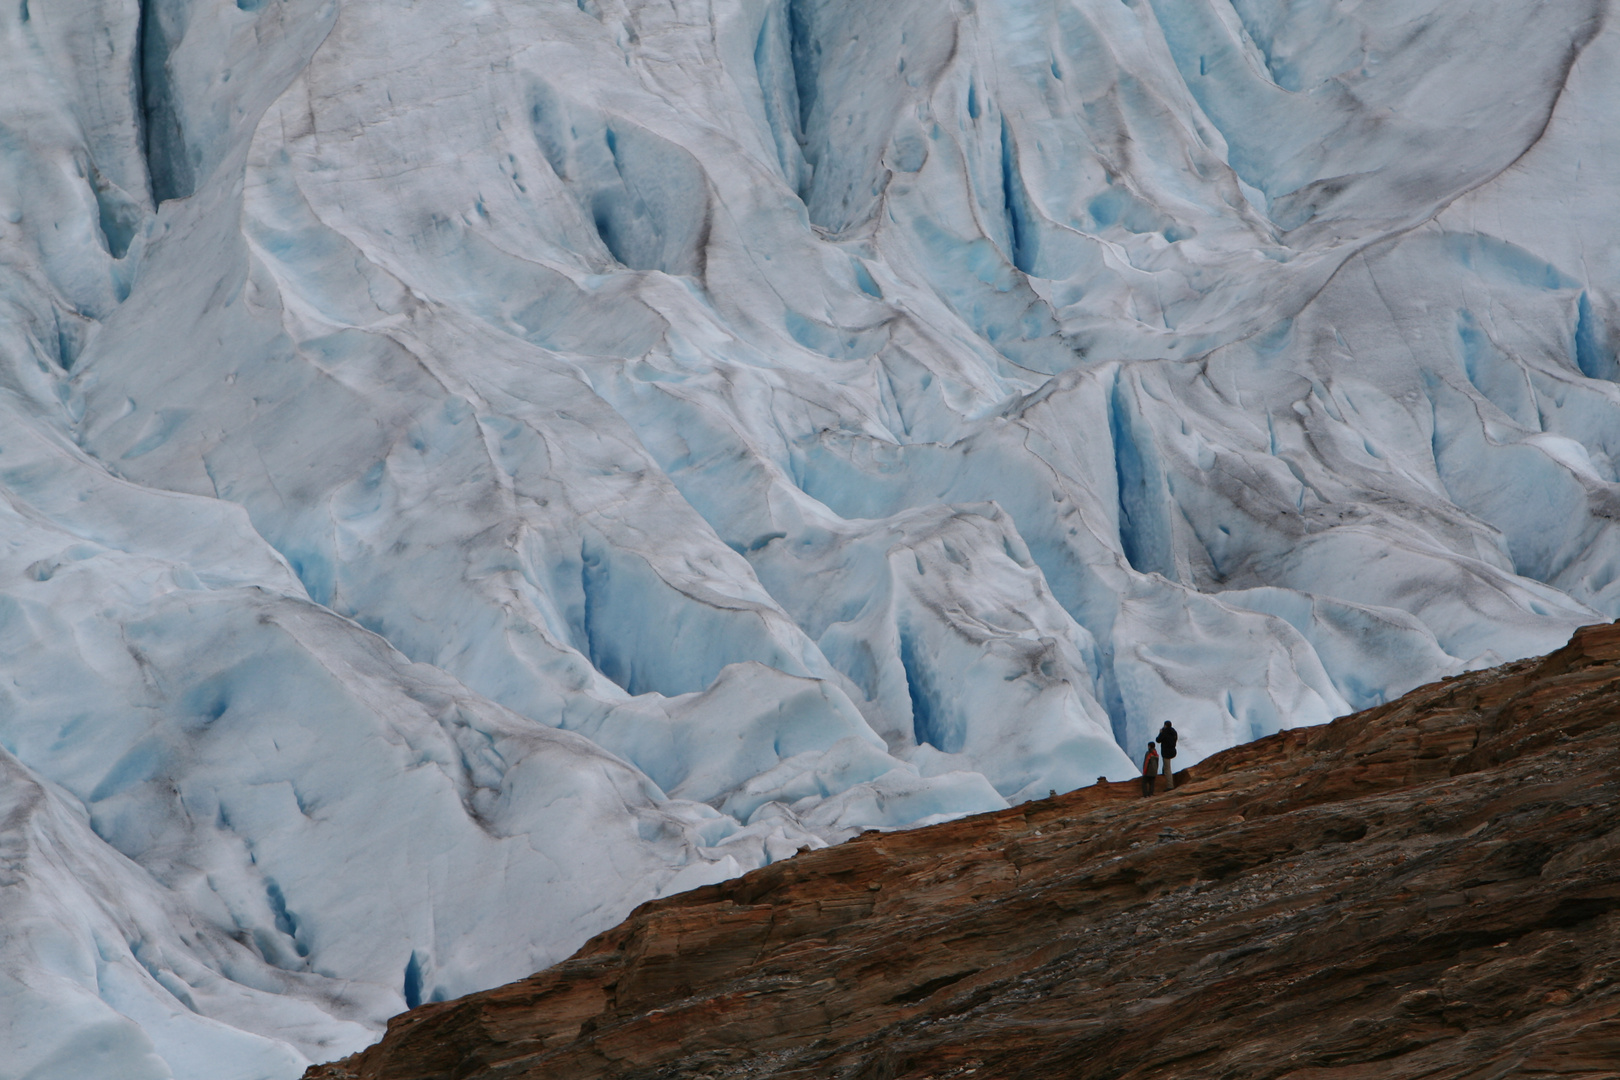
(1427, 888)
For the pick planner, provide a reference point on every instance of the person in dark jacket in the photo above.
(1150, 769)
(1167, 750)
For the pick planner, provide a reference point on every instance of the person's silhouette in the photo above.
(1167, 750)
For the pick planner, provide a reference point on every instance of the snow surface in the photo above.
(467, 468)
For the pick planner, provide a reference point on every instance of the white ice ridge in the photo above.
(467, 468)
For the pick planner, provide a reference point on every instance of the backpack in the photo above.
(1150, 764)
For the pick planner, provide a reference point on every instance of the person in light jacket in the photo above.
(1167, 750)
(1150, 769)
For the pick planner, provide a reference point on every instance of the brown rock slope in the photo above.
(1430, 888)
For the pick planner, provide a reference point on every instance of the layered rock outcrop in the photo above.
(1427, 888)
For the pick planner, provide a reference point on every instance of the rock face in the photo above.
(1428, 888)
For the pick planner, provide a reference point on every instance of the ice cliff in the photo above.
(468, 467)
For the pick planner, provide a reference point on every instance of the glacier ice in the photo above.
(466, 469)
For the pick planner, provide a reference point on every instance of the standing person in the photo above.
(1167, 750)
(1150, 769)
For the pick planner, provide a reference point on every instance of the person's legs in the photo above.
(1169, 774)
(1147, 784)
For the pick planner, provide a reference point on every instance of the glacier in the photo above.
(469, 468)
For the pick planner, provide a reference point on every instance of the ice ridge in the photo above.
(467, 469)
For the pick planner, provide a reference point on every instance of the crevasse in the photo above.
(467, 469)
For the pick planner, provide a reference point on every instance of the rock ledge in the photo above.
(1424, 889)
